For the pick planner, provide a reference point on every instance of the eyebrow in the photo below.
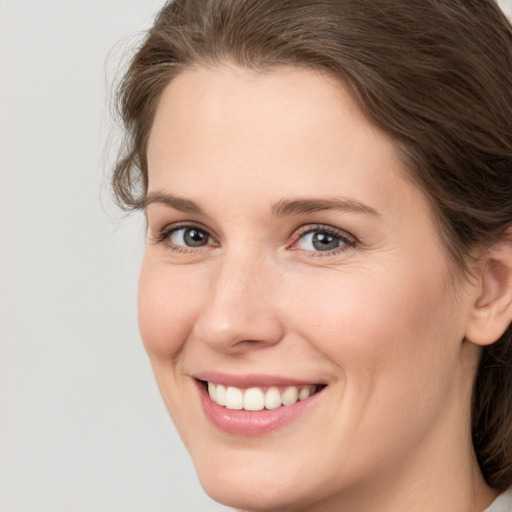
(286, 207)
(282, 208)
(178, 203)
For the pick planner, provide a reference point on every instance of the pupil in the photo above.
(195, 238)
(325, 242)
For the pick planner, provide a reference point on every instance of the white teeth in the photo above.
(306, 392)
(234, 398)
(220, 394)
(290, 395)
(254, 399)
(272, 398)
(212, 391)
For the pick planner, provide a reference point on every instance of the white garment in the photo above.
(503, 503)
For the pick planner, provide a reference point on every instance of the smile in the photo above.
(257, 398)
(253, 406)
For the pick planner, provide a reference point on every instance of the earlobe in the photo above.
(492, 311)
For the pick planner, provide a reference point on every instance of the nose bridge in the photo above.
(239, 313)
(236, 275)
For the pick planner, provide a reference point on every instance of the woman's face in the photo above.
(288, 255)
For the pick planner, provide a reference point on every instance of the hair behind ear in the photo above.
(492, 413)
(492, 396)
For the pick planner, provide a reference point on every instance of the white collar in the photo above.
(503, 503)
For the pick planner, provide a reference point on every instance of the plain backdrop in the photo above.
(82, 425)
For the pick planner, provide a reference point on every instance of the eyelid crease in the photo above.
(325, 228)
(347, 239)
(167, 230)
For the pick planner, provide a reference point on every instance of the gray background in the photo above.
(82, 424)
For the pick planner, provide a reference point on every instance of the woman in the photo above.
(326, 292)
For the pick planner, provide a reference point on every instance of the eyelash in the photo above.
(166, 232)
(346, 239)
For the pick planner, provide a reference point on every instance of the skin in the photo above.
(380, 319)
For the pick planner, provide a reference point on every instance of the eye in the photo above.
(323, 239)
(190, 237)
(184, 238)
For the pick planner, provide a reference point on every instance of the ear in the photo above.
(492, 311)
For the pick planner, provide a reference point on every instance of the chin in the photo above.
(258, 494)
(266, 484)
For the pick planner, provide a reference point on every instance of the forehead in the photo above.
(285, 119)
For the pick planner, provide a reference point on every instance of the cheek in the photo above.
(394, 343)
(167, 308)
(372, 322)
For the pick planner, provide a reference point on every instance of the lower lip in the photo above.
(252, 423)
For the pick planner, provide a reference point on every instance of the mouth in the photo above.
(259, 398)
(254, 406)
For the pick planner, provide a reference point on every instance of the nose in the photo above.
(240, 313)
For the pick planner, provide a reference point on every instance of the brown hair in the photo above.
(435, 75)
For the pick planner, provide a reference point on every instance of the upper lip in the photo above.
(251, 380)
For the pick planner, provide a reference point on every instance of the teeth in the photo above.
(220, 394)
(212, 391)
(234, 398)
(255, 399)
(272, 398)
(306, 392)
(290, 395)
